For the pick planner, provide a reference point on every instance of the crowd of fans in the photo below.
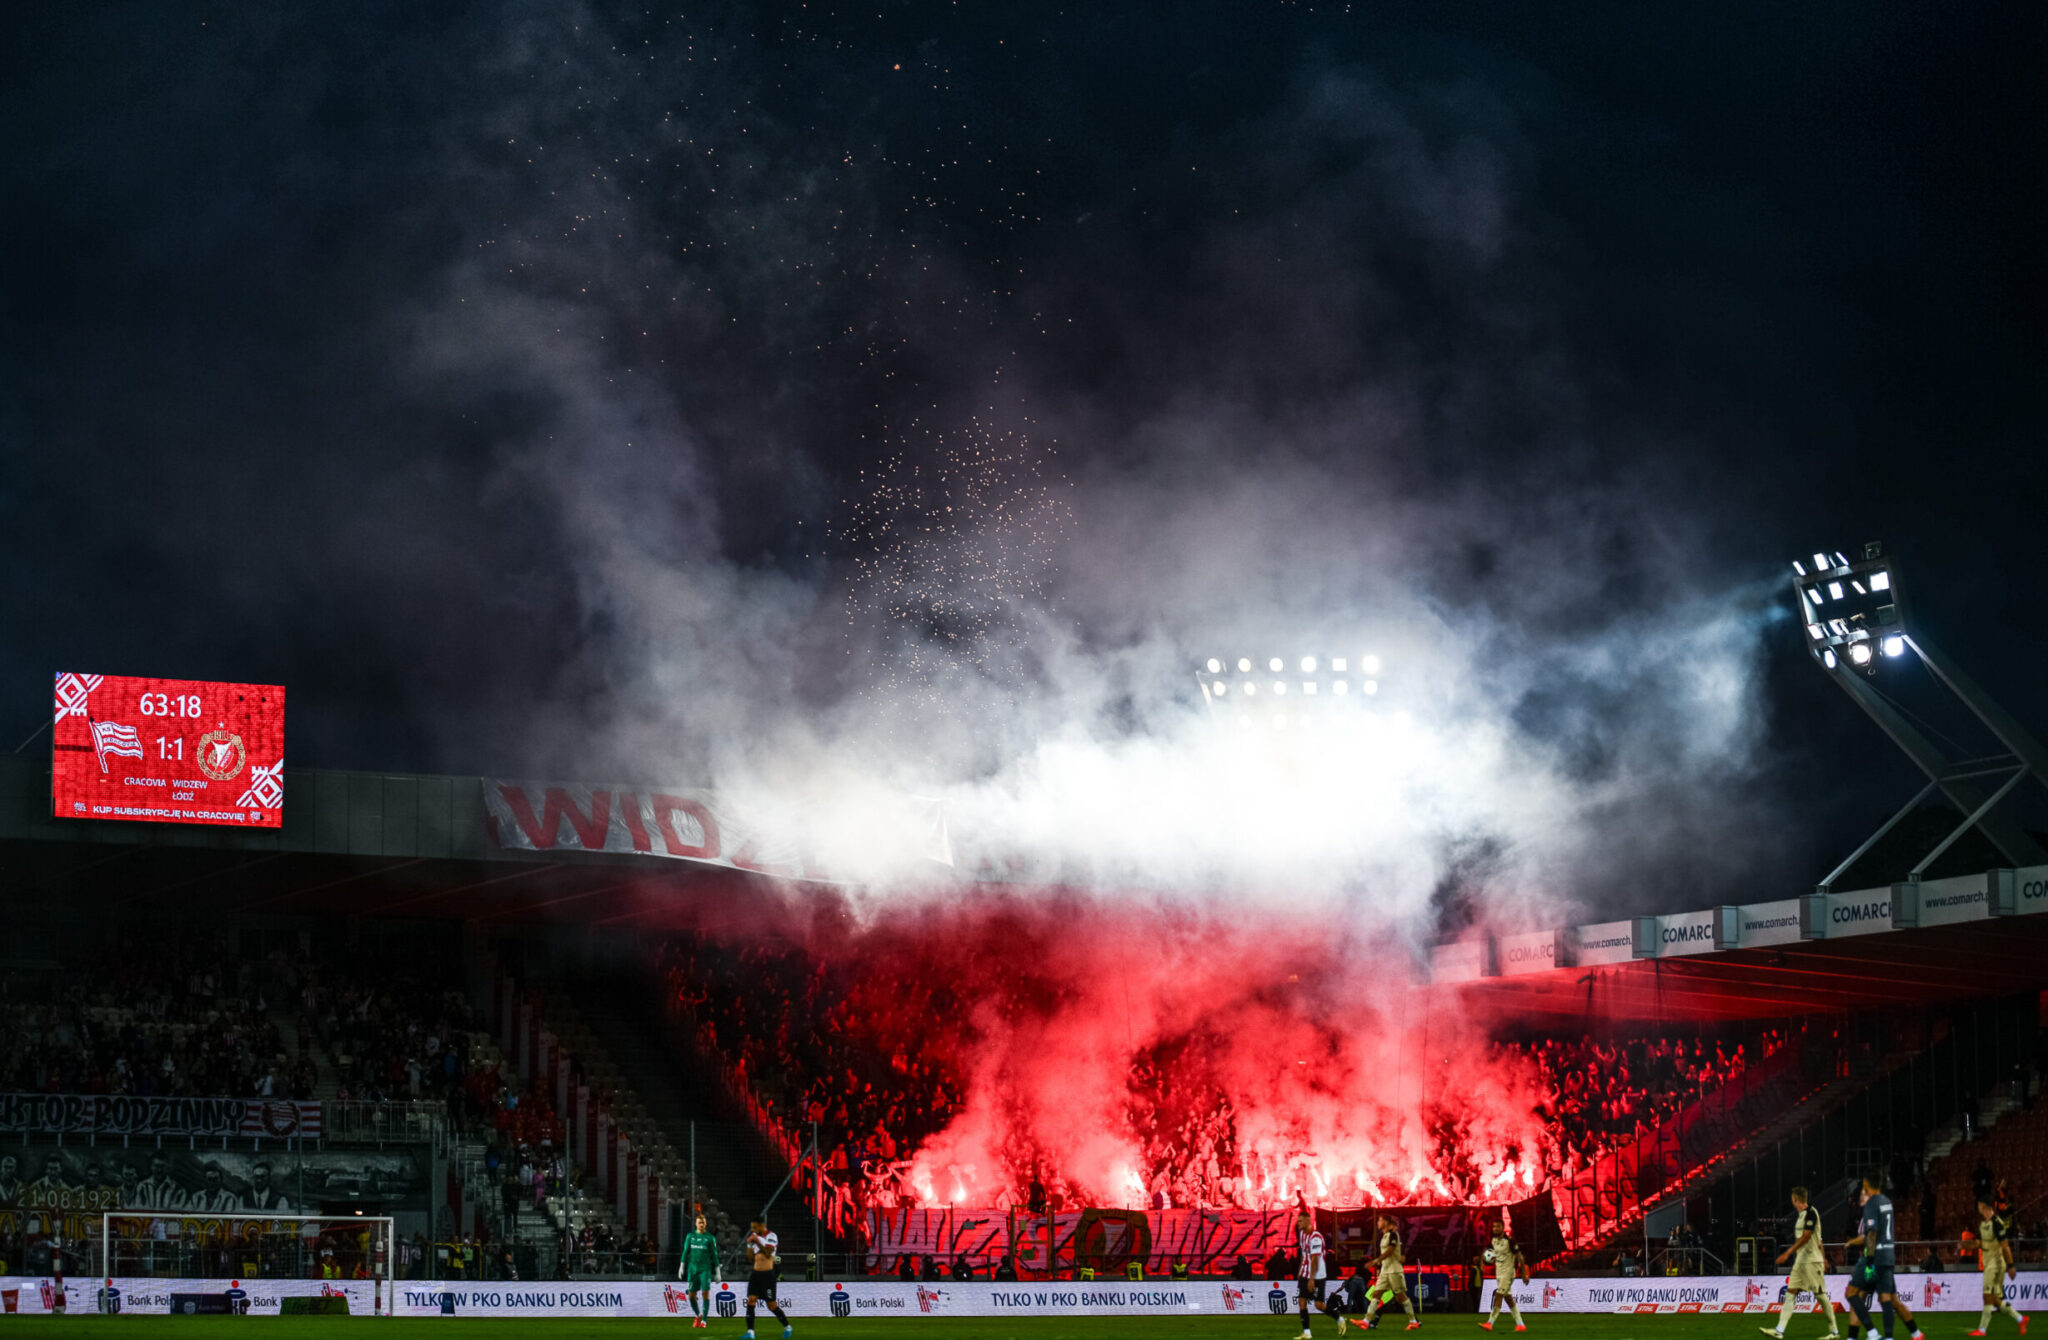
(187, 1017)
(859, 1054)
(1606, 1092)
(166, 1018)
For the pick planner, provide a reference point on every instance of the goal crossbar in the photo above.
(233, 1246)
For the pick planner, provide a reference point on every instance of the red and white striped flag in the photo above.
(111, 737)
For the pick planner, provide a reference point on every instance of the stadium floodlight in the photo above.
(1866, 612)
(1844, 604)
(1311, 694)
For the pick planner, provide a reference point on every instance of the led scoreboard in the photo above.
(172, 751)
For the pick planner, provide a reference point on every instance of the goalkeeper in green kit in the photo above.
(697, 1267)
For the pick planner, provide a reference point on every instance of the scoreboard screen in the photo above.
(173, 751)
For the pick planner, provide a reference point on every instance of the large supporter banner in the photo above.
(1958, 1291)
(116, 1114)
(685, 825)
(170, 751)
(1111, 1238)
(51, 1192)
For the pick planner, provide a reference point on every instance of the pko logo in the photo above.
(1854, 912)
(1276, 1302)
(728, 1302)
(841, 1301)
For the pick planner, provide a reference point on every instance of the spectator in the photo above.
(962, 1271)
(906, 1269)
(931, 1273)
(1242, 1270)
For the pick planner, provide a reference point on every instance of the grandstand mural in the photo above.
(50, 1191)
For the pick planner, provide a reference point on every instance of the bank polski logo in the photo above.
(728, 1301)
(1276, 1302)
(841, 1301)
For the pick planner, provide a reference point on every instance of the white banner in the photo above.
(1762, 924)
(1461, 961)
(1608, 942)
(1858, 912)
(1957, 1291)
(2031, 893)
(688, 825)
(1531, 951)
(141, 1294)
(1944, 902)
(855, 1298)
(1685, 933)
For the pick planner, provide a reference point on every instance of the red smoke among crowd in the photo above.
(1121, 1053)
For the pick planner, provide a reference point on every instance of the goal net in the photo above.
(261, 1259)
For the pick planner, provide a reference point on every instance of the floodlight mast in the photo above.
(1855, 619)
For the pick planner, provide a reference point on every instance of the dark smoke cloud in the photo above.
(523, 392)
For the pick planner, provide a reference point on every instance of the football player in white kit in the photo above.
(1313, 1271)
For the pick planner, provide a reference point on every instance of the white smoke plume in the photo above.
(1012, 569)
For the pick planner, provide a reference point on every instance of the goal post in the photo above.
(144, 1249)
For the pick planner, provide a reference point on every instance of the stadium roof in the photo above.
(402, 845)
(1972, 960)
(365, 844)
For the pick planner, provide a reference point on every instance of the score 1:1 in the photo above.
(171, 749)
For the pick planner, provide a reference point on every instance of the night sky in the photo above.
(478, 372)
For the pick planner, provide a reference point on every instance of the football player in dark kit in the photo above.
(1872, 1274)
(761, 1246)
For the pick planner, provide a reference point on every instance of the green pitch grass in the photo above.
(1940, 1326)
